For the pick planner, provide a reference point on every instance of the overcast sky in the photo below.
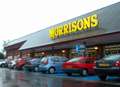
(21, 17)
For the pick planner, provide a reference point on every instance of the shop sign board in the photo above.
(80, 48)
(82, 24)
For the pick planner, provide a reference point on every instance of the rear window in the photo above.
(55, 59)
(45, 59)
(34, 61)
(64, 59)
(112, 57)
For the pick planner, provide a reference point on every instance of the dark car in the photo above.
(108, 66)
(32, 64)
(82, 65)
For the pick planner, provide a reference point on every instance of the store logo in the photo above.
(74, 26)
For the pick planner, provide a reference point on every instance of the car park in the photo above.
(31, 64)
(81, 65)
(51, 64)
(108, 66)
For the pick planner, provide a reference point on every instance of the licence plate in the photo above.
(104, 65)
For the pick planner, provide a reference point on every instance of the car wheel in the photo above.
(3, 65)
(51, 70)
(69, 74)
(14, 67)
(36, 69)
(102, 77)
(84, 72)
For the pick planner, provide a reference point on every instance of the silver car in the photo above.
(51, 64)
(12, 63)
(3, 63)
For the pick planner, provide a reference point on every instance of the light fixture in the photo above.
(63, 51)
(95, 48)
(43, 53)
(28, 54)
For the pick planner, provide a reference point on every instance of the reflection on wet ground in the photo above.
(10, 78)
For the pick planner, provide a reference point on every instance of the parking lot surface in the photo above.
(13, 78)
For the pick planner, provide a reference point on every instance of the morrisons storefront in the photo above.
(93, 34)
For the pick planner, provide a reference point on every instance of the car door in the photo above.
(89, 65)
(57, 63)
(61, 61)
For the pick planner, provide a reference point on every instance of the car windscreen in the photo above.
(35, 61)
(74, 60)
(112, 57)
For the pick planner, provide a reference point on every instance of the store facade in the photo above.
(95, 34)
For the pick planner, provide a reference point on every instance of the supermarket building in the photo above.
(95, 34)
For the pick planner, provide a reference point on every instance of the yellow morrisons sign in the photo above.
(74, 26)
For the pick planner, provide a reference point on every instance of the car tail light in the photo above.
(117, 63)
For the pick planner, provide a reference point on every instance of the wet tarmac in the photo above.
(12, 78)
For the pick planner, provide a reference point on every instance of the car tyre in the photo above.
(3, 65)
(102, 77)
(84, 72)
(51, 70)
(14, 67)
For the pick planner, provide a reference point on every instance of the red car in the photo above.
(20, 63)
(83, 65)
